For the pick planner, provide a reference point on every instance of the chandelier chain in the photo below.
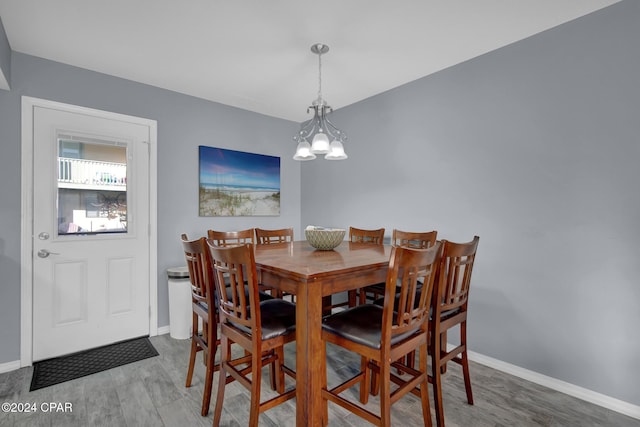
(319, 76)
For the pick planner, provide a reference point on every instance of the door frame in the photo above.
(26, 253)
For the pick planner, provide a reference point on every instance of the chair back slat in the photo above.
(412, 239)
(366, 236)
(227, 238)
(266, 237)
(455, 273)
(411, 277)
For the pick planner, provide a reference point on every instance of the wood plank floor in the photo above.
(152, 393)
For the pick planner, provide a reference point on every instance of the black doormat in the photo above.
(66, 368)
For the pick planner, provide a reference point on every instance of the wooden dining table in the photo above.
(313, 275)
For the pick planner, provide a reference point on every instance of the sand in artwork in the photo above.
(239, 202)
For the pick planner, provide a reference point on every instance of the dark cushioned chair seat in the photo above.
(361, 324)
(278, 318)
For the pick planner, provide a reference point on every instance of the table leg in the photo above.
(308, 360)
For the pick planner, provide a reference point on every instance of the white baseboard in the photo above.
(9, 366)
(558, 385)
(162, 330)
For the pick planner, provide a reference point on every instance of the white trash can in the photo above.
(179, 303)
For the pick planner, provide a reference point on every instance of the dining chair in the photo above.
(203, 306)
(450, 304)
(268, 237)
(366, 236)
(382, 336)
(227, 238)
(261, 328)
(405, 239)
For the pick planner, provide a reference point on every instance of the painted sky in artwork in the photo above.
(221, 167)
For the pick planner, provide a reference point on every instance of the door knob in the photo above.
(43, 253)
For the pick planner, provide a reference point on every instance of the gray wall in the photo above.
(535, 148)
(5, 58)
(184, 122)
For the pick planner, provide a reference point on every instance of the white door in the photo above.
(90, 231)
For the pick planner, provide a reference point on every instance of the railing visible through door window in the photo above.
(91, 172)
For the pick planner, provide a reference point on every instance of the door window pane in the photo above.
(92, 187)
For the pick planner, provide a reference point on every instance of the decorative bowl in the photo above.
(324, 238)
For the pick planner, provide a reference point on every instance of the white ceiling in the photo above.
(255, 54)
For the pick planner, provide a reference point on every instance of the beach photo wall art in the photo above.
(236, 183)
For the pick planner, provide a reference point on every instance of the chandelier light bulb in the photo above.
(303, 152)
(336, 151)
(320, 144)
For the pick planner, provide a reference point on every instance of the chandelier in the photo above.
(324, 136)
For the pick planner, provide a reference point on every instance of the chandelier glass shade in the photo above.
(318, 135)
